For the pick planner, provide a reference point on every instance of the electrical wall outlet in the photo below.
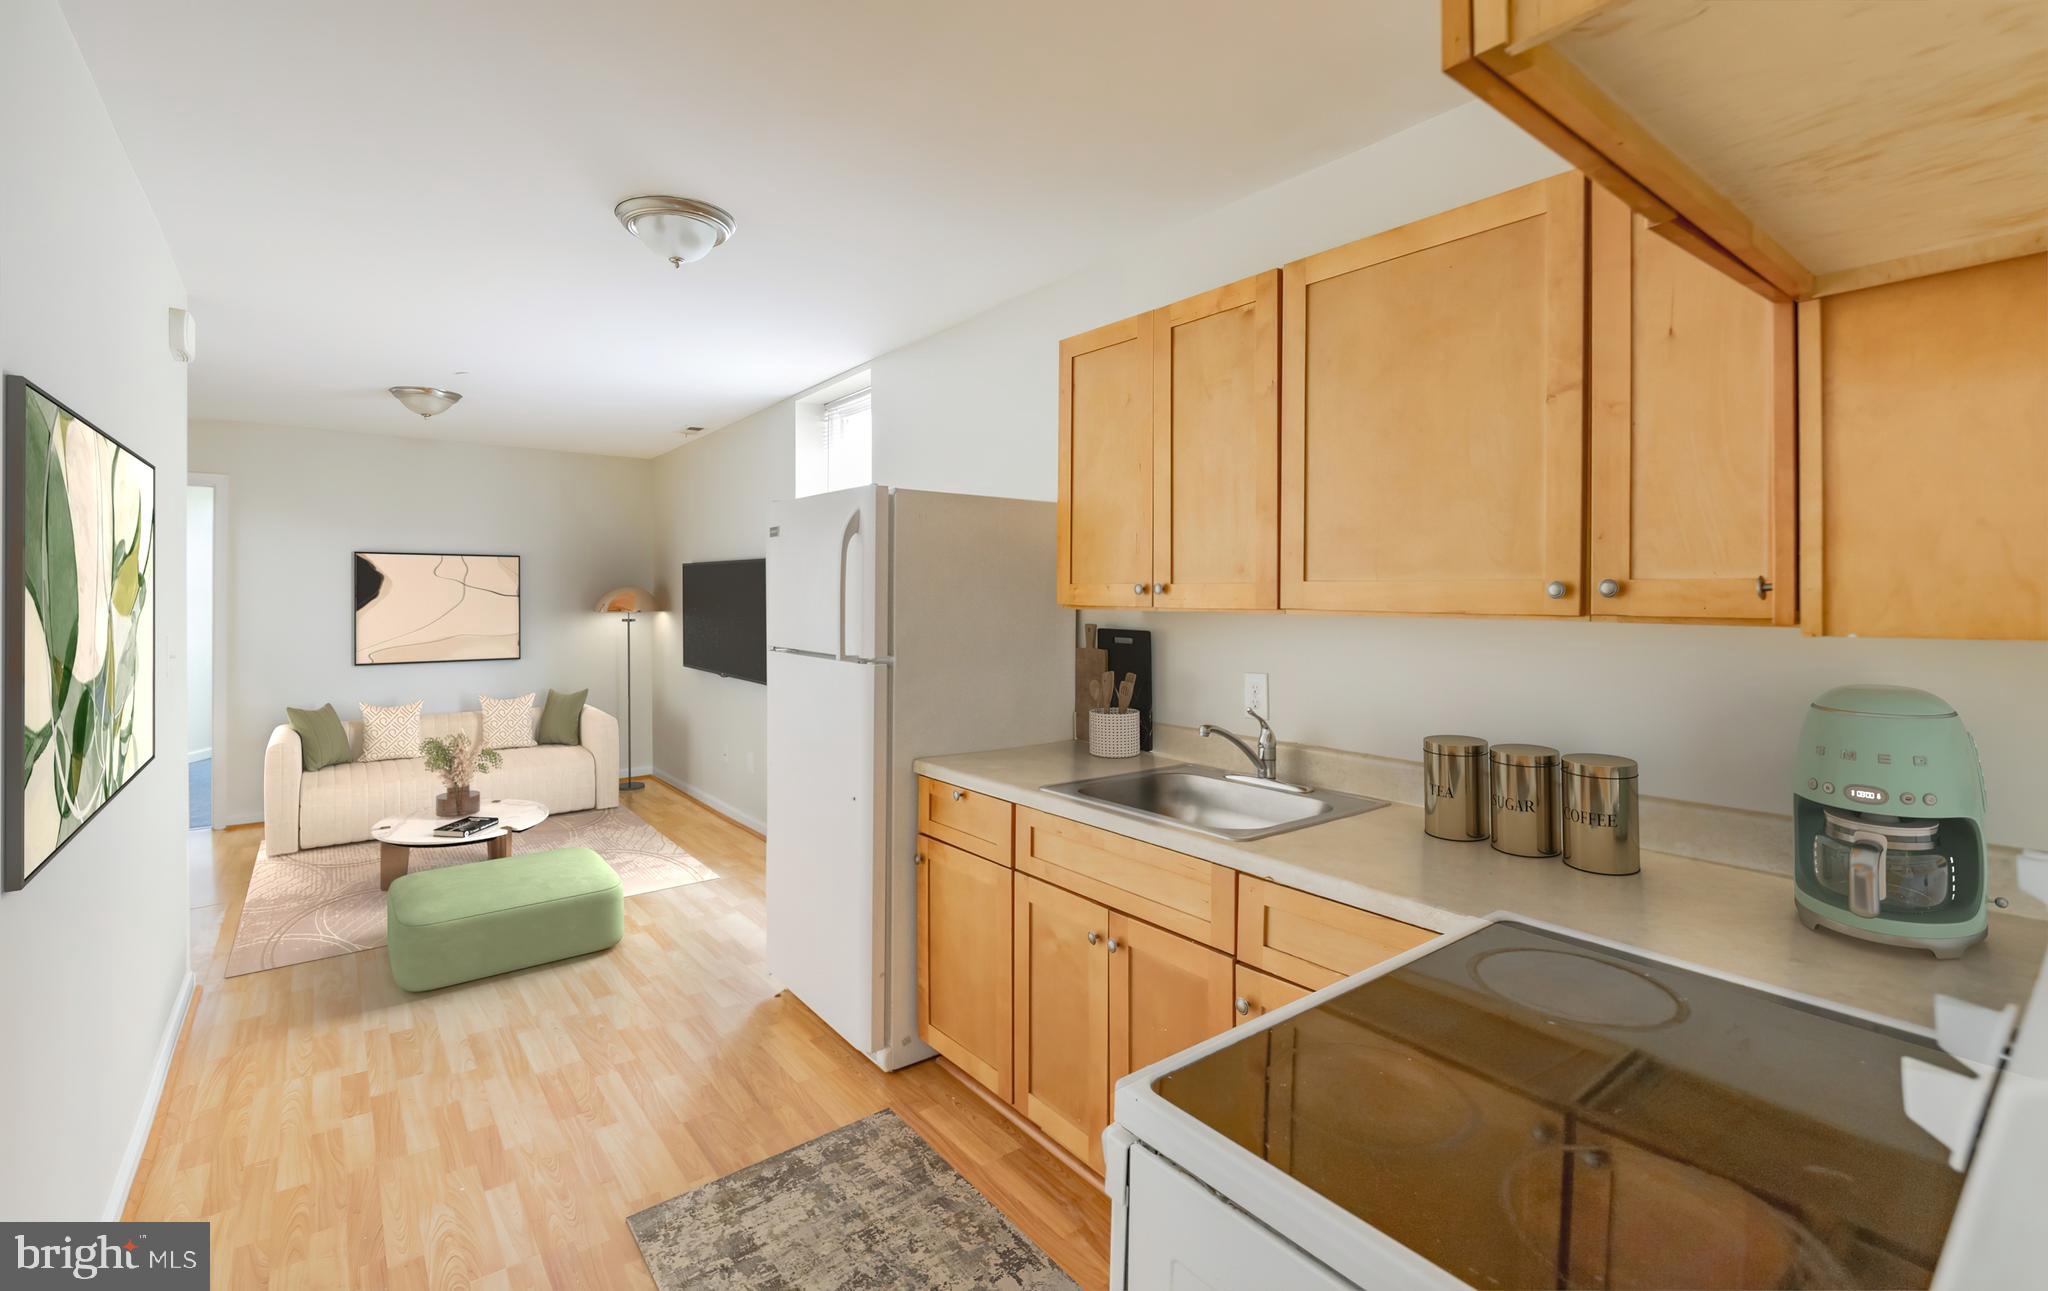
(1255, 694)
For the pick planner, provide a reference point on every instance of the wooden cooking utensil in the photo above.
(1123, 692)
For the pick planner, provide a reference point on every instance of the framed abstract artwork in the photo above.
(424, 607)
(80, 665)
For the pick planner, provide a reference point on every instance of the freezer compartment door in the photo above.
(827, 905)
(828, 574)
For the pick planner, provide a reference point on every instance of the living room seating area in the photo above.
(339, 804)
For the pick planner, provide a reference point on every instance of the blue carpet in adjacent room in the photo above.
(199, 775)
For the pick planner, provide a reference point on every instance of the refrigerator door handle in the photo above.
(845, 545)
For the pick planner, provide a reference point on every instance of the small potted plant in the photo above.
(458, 762)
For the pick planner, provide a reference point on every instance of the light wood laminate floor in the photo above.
(338, 1132)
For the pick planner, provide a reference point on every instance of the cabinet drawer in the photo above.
(1175, 892)
(1312, 941)
(968, 820)
(1260, 993)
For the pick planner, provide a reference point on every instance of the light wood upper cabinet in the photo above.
(1170, 456)
(1806, 148)
(1216, 449)
(1165, 993)
(1105, 489)
(1924, 443)
(1061, 971)
(1694, 489)
(1432, 418)
(964, 996)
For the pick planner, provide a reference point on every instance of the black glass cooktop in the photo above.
(1531, 1110)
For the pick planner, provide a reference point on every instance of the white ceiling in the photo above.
(365, 193)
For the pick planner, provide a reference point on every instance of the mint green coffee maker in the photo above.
(1888, 820)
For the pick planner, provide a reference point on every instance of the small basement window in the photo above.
(835, 439)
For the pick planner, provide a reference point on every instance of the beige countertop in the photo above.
(1734, 920)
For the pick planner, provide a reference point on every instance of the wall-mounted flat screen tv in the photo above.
(725, 618)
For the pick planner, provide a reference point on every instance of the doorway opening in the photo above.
(199, 733)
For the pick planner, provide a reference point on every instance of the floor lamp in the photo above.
(628, 603)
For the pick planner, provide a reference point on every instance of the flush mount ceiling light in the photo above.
(678, 229)
(425, 400)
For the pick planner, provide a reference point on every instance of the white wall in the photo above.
(711, 503)
(1711, 712)
(306, 500)
(198, 621)
(93, 950)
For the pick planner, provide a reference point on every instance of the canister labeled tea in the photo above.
(1454, 782)
(1524, 799)
(1601, 814)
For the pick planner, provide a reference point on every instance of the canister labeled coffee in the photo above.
(1454, 788)
(1601, 814)
(1524, 799)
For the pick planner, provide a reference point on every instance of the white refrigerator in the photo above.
(901, 624)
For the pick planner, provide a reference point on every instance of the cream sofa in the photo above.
(338, 804)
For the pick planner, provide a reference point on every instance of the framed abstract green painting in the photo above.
(79, 681)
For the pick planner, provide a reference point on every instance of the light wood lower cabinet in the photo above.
(1176, 892)
(964, 920)
(964, 818)
(1309, 940)
(1061, 947)
(1165, 993)
(1259, 994)
(1099, 955)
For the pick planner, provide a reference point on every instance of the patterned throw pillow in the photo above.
(508, 723)
(391, 733)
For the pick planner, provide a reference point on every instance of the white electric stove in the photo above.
(1523, 1106)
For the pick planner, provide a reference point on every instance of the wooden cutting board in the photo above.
(1089, 665)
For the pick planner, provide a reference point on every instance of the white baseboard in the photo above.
(199, 755)
(713, 801)
(138, 1139)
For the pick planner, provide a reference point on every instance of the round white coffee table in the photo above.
(397, 835)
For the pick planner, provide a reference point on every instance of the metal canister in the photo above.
(1454, 787)
(1602, 818)
(1524, 799)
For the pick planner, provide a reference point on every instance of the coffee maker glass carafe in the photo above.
(1882, 864)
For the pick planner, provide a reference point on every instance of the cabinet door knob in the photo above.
(1243, 1007)
(1113, 944)
(1137, 589)
(1763, 588)
(1094, 937)
(1608, 587)
(1157, 588)
(1556, 591)
(958, 794)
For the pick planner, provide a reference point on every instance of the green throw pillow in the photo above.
(561, 722)
(324, 743)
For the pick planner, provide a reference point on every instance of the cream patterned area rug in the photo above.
(325, 900)
(868, 1206)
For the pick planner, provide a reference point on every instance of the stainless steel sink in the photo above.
(1207, 801)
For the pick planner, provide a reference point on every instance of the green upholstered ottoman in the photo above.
(469, 921)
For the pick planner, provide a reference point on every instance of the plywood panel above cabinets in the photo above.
(1693, 479)
(1806, 147)
(1431, 414)
(1924, 430)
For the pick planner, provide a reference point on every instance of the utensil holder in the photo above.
(1113, 732)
